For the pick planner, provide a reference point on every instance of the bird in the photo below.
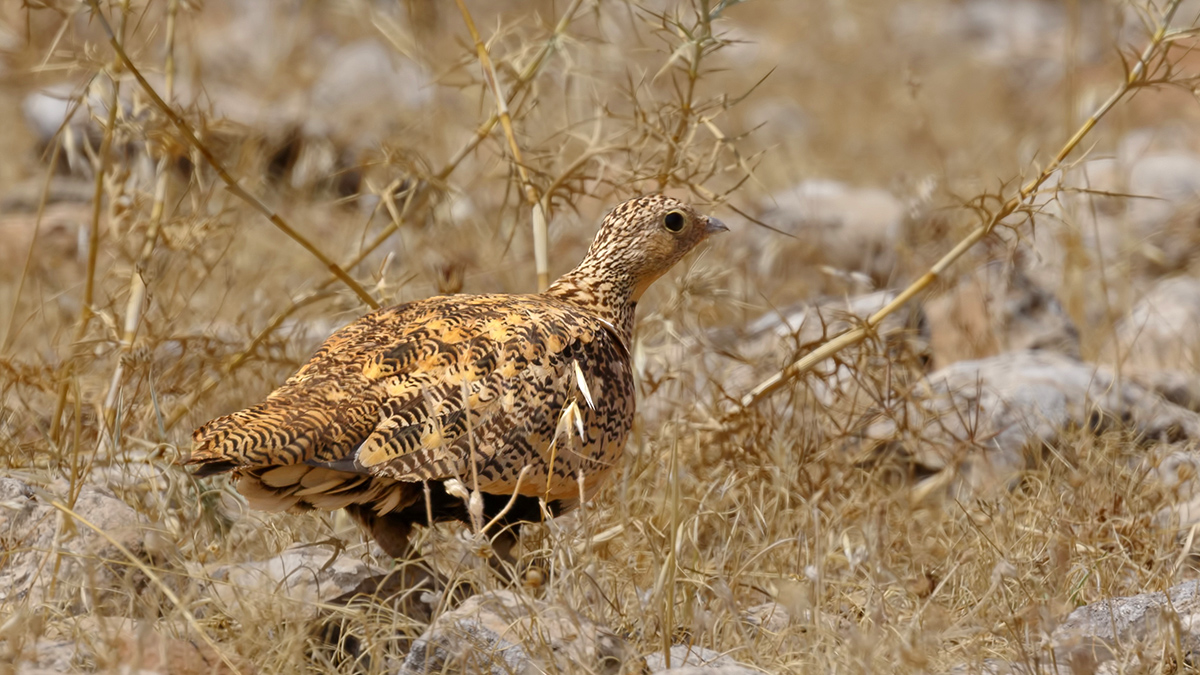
(494, 407)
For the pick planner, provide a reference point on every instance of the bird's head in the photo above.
(643, 237)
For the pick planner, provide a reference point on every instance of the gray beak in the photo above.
(714, 226)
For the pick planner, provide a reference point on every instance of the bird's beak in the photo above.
(713, 226)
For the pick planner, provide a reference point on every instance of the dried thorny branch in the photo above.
(541, 238)
(1136, 77)
(135, 306)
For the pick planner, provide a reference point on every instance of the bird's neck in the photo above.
(611, 296)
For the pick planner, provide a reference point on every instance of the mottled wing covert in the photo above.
(502, 386)
(323, 411)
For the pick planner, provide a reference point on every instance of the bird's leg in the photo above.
(401, 589)
(391, 533)
(505, 563)
(531, 573)
(502, 546)
(389, 530)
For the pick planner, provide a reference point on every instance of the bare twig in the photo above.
(37, 227)
(522, 82)
(483, 131)
(699, 38)
(511, 501)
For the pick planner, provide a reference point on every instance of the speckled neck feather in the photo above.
(609, 280)
(603, 291)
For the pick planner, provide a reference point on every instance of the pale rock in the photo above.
(778, 338)
(368, 73)
(768, 617)
(1025, 37)
(742, 357)
(1015, 29)
(502, 632)
(1125, 220)
(1138, 617)
(781, 117)
(44, 657)
(978, 417)
(1158, 341)
(1170, 179)
(1100, 632)
(52, 109)
(691, 660)
(1000, 667)
(1113, 636)
(805, 322)
(997, 308)
(852, 229)
(709, 670)
(50, 549)
(1177, 473)
(127, 646)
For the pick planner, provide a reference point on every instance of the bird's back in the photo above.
(416, 392)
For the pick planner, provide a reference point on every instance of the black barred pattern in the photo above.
(477, 388)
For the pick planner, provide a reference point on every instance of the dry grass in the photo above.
(179, 301)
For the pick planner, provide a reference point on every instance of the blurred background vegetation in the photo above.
(848, 145)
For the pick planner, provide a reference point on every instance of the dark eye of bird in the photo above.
(674, 221)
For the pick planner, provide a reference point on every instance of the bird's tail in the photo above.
(284, 429)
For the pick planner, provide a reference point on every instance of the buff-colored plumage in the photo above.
(525, 394)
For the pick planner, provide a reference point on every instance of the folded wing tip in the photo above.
(349, 464)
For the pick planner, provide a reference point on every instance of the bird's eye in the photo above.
(674, 221)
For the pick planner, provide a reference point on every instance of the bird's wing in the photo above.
(323, 411)
(531, 385)
(396, 393)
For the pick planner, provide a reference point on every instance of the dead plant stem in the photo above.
(230, 183)
(522, 82)
(99, 167)
(137, 277)
(37, 226)
(526, 77)
(541, 240)
(686, 102)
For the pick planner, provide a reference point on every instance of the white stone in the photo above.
(49, 549)
(502, 632)
(305, 574)
(977, 417)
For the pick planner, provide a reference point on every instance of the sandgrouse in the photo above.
(526, 395)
